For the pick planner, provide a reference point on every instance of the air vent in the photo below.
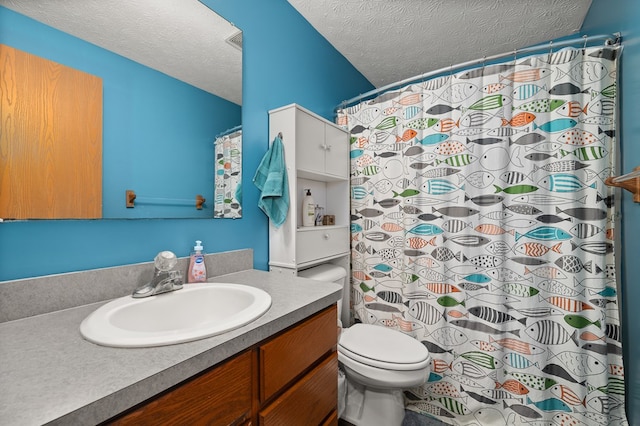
(236, 40)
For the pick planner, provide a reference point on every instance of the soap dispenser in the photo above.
(197, 268)
(308, 210)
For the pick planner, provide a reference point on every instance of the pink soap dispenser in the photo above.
(197, 269)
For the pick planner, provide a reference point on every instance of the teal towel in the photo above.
(271, 179)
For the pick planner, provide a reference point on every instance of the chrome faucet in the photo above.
(164, 278)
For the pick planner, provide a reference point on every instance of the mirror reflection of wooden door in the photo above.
(50, 139)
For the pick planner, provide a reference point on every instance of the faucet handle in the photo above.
(165, 261)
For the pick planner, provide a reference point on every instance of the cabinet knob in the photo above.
(328, 147)
(326, 236)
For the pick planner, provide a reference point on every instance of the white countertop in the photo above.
(50, 374)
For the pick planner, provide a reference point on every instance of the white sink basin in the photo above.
(194, 312)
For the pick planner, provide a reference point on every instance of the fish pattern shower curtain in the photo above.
(228, 180)
(482, 227)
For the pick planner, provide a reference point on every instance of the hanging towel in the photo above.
(271, 179)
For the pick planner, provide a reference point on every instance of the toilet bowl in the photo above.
(378, 362)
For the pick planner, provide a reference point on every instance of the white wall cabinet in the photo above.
(317, 158)
(324, 148)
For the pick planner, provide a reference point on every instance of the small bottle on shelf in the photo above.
(308, 210)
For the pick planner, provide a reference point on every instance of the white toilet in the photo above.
(379, 363)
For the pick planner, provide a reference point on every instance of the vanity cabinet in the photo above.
(289, 379)
(316, 154)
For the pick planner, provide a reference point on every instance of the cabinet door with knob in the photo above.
(322, 148)
(336, 152)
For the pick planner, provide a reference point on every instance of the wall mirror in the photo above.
(171, 74)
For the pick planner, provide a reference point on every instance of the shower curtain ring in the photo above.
(550, 50)
(515, 55)
(584, 47)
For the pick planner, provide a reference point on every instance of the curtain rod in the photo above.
(631, 175)
(608, 39)
(228, 131)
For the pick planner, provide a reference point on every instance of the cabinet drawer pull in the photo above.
(326, 236)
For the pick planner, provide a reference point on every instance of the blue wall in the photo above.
(285, 61)
(608, 16)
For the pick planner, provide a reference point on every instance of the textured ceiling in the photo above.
(391, 40)
(181, 38)
(386, 40)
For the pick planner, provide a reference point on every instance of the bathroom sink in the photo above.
(194, 312)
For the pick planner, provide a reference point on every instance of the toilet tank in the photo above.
(336, 274)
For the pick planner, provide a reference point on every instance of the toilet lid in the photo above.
(381, 347)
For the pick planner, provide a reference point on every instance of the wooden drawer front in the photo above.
(310, 401)
(321, 242)
(290, 354)
(221, 396)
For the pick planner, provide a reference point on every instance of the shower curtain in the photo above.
(228, 190)
(481, 226)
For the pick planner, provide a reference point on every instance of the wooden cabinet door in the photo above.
(50, 139)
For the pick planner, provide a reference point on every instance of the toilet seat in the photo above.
(383, 348)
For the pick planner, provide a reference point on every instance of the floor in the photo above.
(411, 419)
